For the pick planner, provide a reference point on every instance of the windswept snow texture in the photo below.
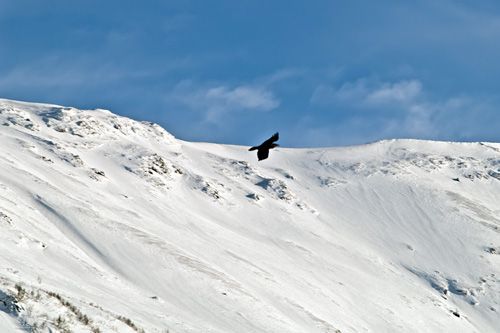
(113, 225)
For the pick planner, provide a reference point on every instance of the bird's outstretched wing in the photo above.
(272, 139)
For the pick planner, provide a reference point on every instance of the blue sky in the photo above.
(322, 73)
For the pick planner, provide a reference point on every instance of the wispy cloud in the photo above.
(220, 99)
(243, 97)
(364, 93)
(399, 92)
(401, 109)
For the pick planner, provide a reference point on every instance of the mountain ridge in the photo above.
(137, 230)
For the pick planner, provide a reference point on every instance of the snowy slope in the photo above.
(113, 225)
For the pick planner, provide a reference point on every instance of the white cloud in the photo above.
(221, 99)
(401, 92)
(403, 109)
(349, 92)
(243, 97)
(285, 74)
(363, 93)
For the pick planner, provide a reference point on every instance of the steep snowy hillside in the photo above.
(113, 225)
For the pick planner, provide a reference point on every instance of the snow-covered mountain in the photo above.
(113, 225)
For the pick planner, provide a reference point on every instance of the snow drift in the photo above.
(113, 225)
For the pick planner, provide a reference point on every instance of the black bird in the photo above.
(263, 149)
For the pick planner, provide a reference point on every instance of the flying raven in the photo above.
(263, 149)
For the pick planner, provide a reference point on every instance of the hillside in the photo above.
(113, 225)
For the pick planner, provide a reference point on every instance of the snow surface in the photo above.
(113, 225)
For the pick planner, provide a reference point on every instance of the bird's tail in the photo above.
(253, 148)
